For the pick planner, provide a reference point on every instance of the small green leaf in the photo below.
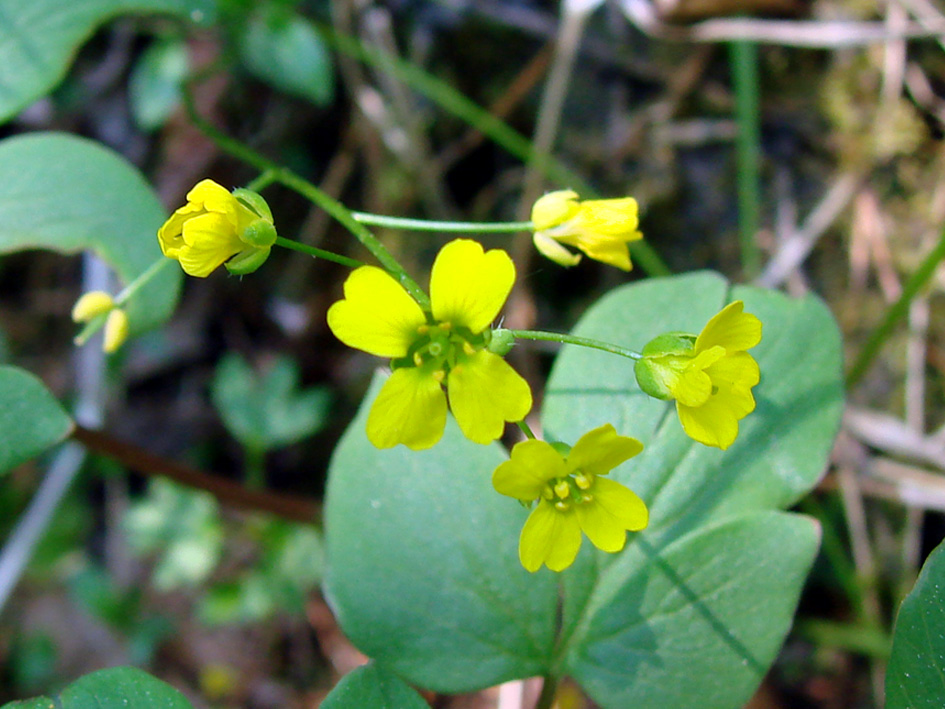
(69, 194)
(424, 572)
(284, 50)
(38, 39)
(375, 687)
(114, 688)
(155, 84)
(267, 411)
(31, 420)
(915, 677)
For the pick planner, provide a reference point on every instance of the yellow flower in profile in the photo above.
(446, 347)
(218, 227)
(601, 228)
(572, 496)
(710, 375)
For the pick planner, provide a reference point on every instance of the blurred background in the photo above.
(793, 144)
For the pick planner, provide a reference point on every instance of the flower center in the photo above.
(574, 489)
(440, 347)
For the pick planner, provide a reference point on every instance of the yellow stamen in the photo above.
(584, 480)
(562, 489)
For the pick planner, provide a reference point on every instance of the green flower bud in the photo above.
(247, 261)
(501, 342)
(661, 361)
(255, 202)
(260, 233)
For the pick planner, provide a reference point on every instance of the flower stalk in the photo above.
(441, 226)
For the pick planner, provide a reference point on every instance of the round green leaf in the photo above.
(39, 38)
(31, 419)
(115, 688)
(155, 85)
(915, 677)
(423, 568)
(69, 194)
(375, 687)
(697, 623)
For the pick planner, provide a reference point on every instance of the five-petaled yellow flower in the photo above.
(601, 228)
(218, 227)
(572, 496)
(709, 376)
(446, 347)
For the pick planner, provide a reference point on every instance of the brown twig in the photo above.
(225, 490)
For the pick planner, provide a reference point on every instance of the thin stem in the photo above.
(573, 340)
(743, 55)
(142, 280)
(896, 313)
(262, 181)
(317, 253)
(433, 225)
(305, 188)
(549, 689)
(526, 429)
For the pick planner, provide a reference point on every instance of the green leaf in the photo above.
(697, 623)
(915, 677)
(114, 688)
(38, 39)
(267, 411)
(68, 194)
(284, 50)
(372, 686)
(424, 572)
(155, 85)
(31, 420)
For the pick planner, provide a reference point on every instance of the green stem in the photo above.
(317, 253)
(526, 429)
(451, 100)
(573, 340)
(432, 225)
(743, 55)
(549, 689)
(312, 193)
(139, 282)
(896, 312)
(262, 181)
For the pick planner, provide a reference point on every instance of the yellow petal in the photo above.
(739, 370)
(377, 315)
(611, 251)
(712, 424)
(484, 393)
(614, 217)
(601, 450)
(553, 209)
(170, 235)
(549, 537)
(116, 330)
(468, 286)
(730, 328)
(551, 249)
(532, 464)
(621, 504)
(410, 409)
(211, 196)
(91, 305)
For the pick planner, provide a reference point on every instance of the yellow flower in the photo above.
(709, 376)
(572, 496)
(217, 227)
(446, 347)
(601, 228)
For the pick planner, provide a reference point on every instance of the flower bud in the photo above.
(664, 357)
(91, 305)
(116, 330)
(501, 342)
